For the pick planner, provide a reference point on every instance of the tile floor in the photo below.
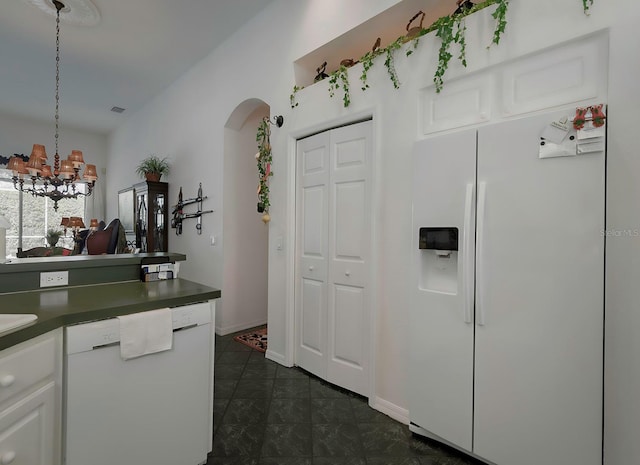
(266, 414)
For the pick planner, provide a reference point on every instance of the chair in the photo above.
(105, 241)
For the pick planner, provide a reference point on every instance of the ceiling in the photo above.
(137, 49)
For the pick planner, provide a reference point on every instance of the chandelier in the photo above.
(60, 181)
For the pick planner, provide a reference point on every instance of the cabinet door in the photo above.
(539, 307)
(28, 429)
(441, 316)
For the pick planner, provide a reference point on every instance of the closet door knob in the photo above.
(310, 267)
(347, 273)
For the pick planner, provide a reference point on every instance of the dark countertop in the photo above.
(56, 307)
(70, 262)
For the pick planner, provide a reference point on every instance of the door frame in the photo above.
(290, 317)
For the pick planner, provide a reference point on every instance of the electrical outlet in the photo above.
(54, 278)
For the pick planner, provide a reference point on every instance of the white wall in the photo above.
(246, 238)
(187, 122)
(18, 134)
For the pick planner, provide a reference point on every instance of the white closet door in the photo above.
(312, 211)
(349, 257)
(539, 307)
(333, 250)
(441, 317)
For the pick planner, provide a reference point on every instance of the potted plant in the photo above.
(53, 235)
(153, 167)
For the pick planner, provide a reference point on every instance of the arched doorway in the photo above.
(245, 238)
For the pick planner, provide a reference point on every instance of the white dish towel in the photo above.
(145, 333)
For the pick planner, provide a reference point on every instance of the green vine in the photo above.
(500, 15)
(340, 78)
(367, 64)
(292, 97)
(264, 160)
(390, 63)
(450, 29)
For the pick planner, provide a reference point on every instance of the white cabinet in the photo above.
(507, 328)
(30, 401)
(333, 255)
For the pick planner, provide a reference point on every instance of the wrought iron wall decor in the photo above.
(179, 215)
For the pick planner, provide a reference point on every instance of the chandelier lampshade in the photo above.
(60, 180)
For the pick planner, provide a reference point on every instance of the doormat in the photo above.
(256, 339)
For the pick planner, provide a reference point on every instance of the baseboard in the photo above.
(224, 330)
(392, 410)
(276, 357)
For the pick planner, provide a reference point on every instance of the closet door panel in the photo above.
(312, 209)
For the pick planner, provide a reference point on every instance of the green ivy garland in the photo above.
(450, 29)
(340, 78)
(264, 160)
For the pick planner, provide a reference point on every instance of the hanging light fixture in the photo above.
(60, 181)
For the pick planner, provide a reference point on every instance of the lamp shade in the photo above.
(15, 164)
(90, 173)
(34, 166)
(46, 171)
(66, 169)
(64, 221)
(76, 158)
(93, 224)
(76, 222)
(39, 152)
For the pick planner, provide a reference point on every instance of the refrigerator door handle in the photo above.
(482, 194)
(467, 256)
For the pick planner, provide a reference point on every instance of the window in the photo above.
(38, 216)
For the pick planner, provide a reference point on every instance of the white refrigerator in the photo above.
(506, 324)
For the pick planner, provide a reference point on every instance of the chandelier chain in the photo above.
(57, 116)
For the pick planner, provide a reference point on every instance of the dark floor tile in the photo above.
(257, 357)
(287, 441)
(339, 461)
(293, 372)
(331, 411)
(259, 370)
(393, 461)
(233, 357)
(289, 411)
(291, 388)
(365, 414)
(246, 411)
(235, 346)
(232, 461)
(253, 388)
(237, 440)
(224, 388)
(336, 440)
(286, 461)
(391, 440)
(228, 371)
(219, 407)
(324, 390)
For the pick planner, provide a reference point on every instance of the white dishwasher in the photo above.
(153, 410)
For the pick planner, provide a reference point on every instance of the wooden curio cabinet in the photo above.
(151, 216)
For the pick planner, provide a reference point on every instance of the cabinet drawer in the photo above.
(27, 429)
(25, 365)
